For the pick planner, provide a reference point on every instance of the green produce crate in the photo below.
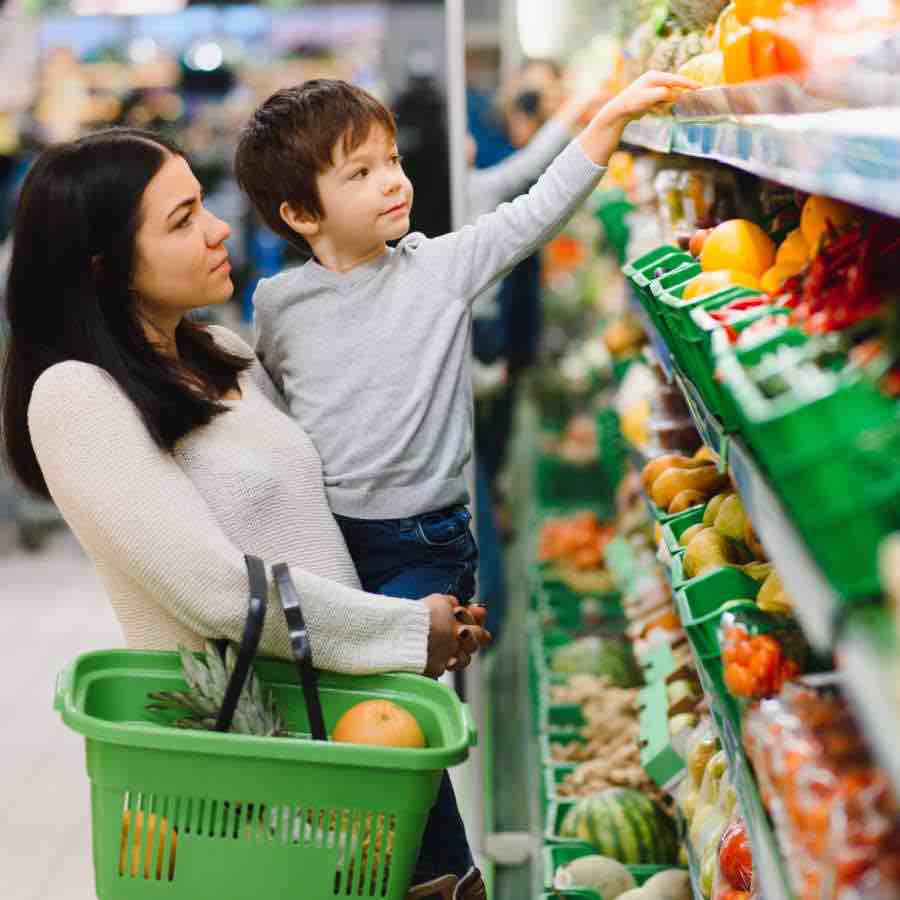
(562, 716)
(676, 571)
(561, 855)
(560, 483)
(710, 332)
(570, 894)
(692, 330)
(244, 816)
(664, 517)
(640, 271)
(701, 601)
(830, 447)
(686, 271)
(610, 446)
(646, 270)
(676, 527)
(553, 778)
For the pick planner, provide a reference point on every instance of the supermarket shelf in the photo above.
(853, 154)
(817, 601)
(868, 660)
(767, 860)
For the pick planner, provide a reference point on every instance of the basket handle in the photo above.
(256, 615)
(299, 637)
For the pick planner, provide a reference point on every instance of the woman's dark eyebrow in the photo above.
(189, 201)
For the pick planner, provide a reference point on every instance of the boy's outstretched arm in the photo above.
(466, 262)
(601, 137)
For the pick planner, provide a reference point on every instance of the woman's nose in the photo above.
(217, 231)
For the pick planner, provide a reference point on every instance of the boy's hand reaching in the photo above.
(600, 139)
(651, 89)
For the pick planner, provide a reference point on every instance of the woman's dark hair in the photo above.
(68, 294)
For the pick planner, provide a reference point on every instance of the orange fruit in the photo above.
(738, 61)
(793, 249)
(726, 25)
(772, 281)
(817, 213)
(738, 244)
(380, 723)
(763, 56)
(708, 282)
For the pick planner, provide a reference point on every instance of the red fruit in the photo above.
(736, 856)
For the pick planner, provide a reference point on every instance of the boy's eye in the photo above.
(396, 159)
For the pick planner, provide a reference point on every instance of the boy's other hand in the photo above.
(651, 89)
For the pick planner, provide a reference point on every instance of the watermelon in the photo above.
(598, 656)
(624, 824)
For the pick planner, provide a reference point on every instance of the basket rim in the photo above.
(71, 690)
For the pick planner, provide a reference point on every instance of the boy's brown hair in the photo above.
(290, 139)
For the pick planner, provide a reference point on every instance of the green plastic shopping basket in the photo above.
(194, 815)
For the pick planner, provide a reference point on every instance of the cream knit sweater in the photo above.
(167, 533)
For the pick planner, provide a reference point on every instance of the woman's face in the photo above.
(181, 261)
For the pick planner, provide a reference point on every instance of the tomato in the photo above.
(736, 856)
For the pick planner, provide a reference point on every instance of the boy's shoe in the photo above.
(449, 887)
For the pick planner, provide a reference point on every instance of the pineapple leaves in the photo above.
(207, 681)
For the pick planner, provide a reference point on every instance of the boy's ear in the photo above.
(303, 223)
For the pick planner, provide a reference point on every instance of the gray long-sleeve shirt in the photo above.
(374, 362)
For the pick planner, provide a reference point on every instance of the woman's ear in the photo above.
(303, 223)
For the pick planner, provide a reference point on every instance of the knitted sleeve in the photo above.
(467, 261)
(139, 517)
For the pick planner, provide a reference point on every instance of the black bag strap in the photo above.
(290, 603)
(256, 616)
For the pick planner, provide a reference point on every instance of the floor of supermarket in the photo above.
(53, 608)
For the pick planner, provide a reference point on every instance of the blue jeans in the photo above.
(433, 553)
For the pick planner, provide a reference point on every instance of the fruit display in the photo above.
(835, 815)
(734, 870)
(677, 483)
(594, 655)
(623, 824)
(575, 541)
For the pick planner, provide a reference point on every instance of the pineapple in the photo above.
(695, 15)
(690, 46)
(663, 57)
(256, 712)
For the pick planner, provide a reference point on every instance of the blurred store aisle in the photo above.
(52, 607)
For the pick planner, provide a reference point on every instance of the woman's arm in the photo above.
(139, 516)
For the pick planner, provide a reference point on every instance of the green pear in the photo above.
(708, 550)
(712, 509)
(731, 518)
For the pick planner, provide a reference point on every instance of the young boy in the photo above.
(369, 343)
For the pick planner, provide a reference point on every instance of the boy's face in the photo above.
(366, 196)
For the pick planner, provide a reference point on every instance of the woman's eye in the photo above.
(183, 223)
(361, 173)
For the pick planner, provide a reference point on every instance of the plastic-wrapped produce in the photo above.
(836, 818)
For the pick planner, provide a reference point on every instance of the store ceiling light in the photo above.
(205, 57)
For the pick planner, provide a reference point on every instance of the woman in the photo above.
(164, 443)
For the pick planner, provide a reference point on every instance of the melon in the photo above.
(608, 877)
(671, 884)
(625, 825)
(598, 656)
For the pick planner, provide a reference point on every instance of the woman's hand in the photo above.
(455, 634)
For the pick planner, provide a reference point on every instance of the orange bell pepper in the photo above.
(763, 54)
(738, 58)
